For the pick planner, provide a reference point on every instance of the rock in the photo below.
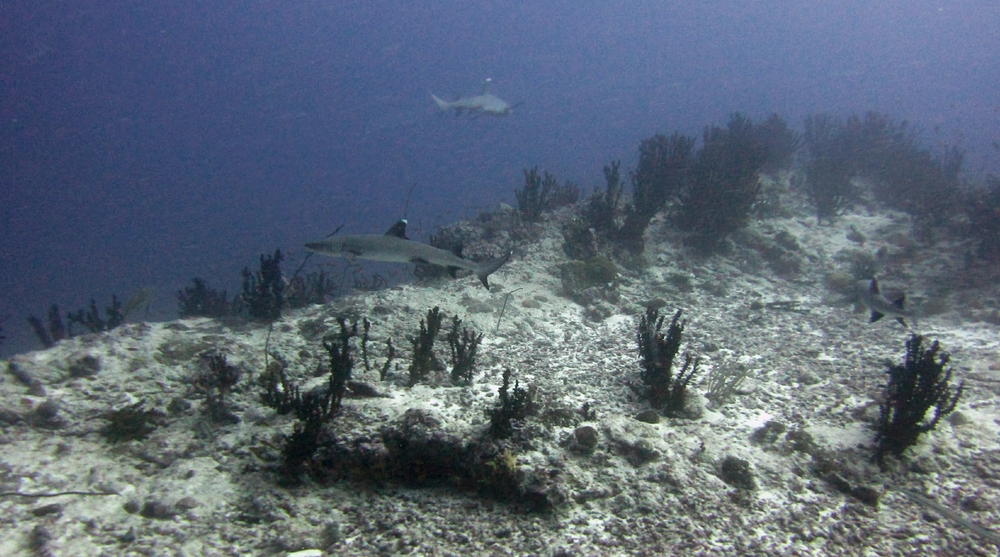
(86, 366)
(648, 416)
(586, 437)
(157, 510)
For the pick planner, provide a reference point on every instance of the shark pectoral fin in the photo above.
(873, 286)
(489, 267)
(902, 322)
(419, 260)
(876, 316)
(453, 271)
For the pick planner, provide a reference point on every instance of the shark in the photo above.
(880, 305)
(395, 247)
(486, 103)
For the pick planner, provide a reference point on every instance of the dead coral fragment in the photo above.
(131, 423)
(913, 388)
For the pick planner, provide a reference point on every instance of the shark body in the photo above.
(395, 247)
(485, 103)
(879, 305)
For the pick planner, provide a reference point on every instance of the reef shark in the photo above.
(395, 247)
(872, 298)
(486, 103)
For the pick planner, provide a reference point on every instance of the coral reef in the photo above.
(915, 387)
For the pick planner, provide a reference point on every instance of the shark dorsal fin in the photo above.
(486, 85)
(398, 230)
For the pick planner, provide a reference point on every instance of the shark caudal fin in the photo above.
(442, 104)
(487, 268)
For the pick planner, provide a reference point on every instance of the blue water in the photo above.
(145, 143)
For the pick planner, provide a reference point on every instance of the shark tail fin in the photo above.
(487, 268)
(442, 104)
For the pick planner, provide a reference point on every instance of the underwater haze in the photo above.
(146, 143)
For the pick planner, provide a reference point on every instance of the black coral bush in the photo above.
(921, 383)
(724, 184)
(664, 390)
(464, 343)
(512, 409)
(424, 360)
(663, 172)
(198, 300)
(264, 291)
(542, 194)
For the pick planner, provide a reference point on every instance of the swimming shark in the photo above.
(395, 247)
(486, 103)
(872, 298)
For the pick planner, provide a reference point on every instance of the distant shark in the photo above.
(480, 104)
(871, 296)
(395, 247)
